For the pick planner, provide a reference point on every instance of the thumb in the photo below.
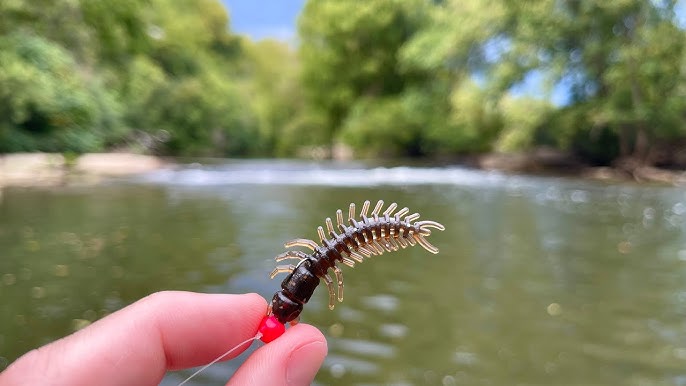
(291, 360)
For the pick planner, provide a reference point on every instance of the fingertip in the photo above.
(305, 331)
(304, 361)
(255, 298)
(299, 336)
(292, 359)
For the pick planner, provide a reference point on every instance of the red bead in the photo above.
(271, 328)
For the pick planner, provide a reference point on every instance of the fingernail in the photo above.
(304, 363)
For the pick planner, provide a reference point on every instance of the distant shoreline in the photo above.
(54, 169)
(554, 163)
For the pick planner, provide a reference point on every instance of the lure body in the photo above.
(353, 242)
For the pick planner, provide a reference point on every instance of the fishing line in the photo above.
(257, 336)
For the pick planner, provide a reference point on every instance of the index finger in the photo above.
(137, 344)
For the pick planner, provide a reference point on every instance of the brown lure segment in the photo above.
(359, 239)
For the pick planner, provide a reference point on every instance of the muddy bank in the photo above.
(552, 162)
(48, 169)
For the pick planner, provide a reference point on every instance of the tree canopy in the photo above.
(603, 80)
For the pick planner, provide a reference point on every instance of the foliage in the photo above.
(203, 116)
(622, 62)
(522, 118)
(349, 53)
(386, 77)
(277, 98)
(380, 126)
(44, 104)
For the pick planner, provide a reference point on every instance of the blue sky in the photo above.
(264, 19)
(277, 19)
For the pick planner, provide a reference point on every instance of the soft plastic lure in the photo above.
(358, 239)
(370, 236)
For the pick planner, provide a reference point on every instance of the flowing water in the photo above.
(540, 281)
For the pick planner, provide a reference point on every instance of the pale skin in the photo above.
(168, 331)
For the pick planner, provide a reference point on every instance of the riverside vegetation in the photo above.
(602, 81)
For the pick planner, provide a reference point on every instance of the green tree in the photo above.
(203, 116)
(59, 21)
(55, 98)
(522, 117)
(349, 54)
(184, 37)
(186, 86)
(44, 104)
(622, 61)
(120, 28)
(83, 75)
(271, 72)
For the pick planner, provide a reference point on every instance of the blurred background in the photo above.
(176, 144)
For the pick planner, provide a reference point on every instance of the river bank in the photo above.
(52, 169)
(556, 163)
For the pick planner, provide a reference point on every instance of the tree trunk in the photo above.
(642, 145)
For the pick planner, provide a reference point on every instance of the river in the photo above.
(540, 280)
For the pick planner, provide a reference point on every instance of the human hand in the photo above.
(169, 331)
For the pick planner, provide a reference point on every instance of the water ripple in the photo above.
(360, 348)
(312, 174)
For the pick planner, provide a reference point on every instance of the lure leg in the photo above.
(377, 208)
(401, 213)
(378, 246)
(350, 263)
(332, 293)
(365, 208)
(321, 234)
(351, 212)
(329, 228)
(364, 251)
(369, 248)
(425, 244)
(401, 238)
(431, 224)
(339, 221)
(302, 243)
(291, 255)
(282, 269)
(390, 209)
(339, 278)
(394, 244)
(356, 256)
(411, 217)
(376, 238)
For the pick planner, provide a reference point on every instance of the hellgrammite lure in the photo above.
(359, 239)
(370, 236)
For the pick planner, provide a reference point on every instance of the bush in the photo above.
(46, 104)
(204, 117)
